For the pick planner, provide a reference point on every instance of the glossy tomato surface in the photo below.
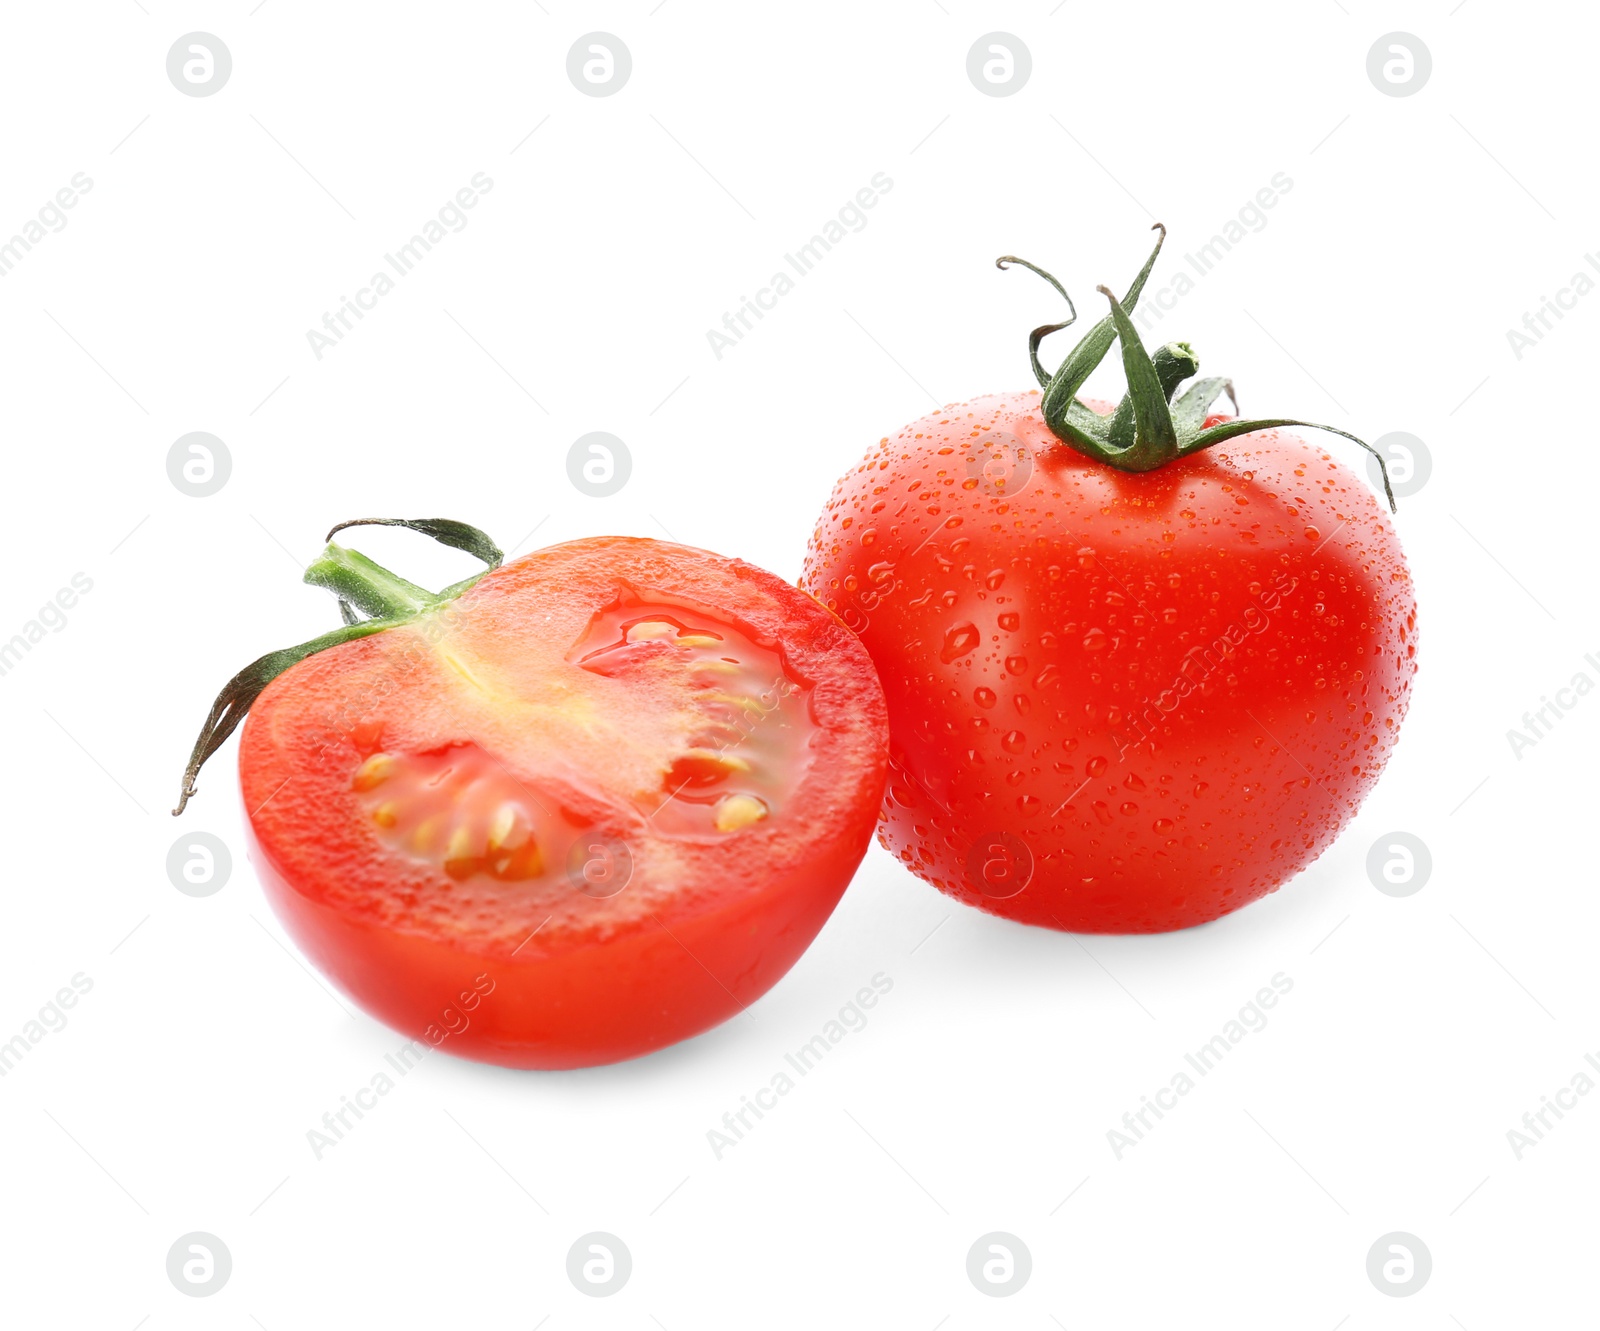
(1118, 703)
(598, 804)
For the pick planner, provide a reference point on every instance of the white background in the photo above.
(219, 229)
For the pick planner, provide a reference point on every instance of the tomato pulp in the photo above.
(599, 802)
(1119, 702)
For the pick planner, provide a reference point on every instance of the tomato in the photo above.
(1119, 701)
(597, 803)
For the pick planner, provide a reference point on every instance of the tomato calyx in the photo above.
(371, 599)
(1149, 428)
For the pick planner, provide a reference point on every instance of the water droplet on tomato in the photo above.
(1095, 767)
(1010, 621)
(959, 641)
(984, 697)
(1014, 741)
(1017, 665)
(1095, 640)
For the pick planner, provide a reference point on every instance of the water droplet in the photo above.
(1162, 825)
(1095, 767)
(995, 578)
(983, 697)
(1010, 621)
(1017, 665)
(1014, 741)
(958, 641)
(1095, 640)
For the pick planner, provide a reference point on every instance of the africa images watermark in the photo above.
(1252, 1017)
(51, 218)
(851, 217)
(451, 217)
(453, 1019)
(1250, 218)
(52, 615)
(1536, 324)
(1541, 722)
(1199, 664)
(1536, 1122)
(737, 1123)
(52, 1019)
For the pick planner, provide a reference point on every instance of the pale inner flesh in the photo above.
(712, 728)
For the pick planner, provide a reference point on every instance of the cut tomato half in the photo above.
(595, 804)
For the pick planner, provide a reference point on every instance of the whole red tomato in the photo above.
(1119, 700)
(572, 810)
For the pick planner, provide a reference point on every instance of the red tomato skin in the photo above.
(572, 1010)
(1151, 698)
(593, 986)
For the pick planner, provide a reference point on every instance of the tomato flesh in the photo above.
(1118, 702)
(606, 798)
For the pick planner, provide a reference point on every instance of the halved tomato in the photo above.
(596, 803)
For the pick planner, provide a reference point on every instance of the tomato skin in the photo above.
(540, 974)
(574, 1008)
(1118, 702)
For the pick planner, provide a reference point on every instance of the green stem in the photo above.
(358, 582)
(1073, 372)
(1173, 363)
(370, 587)
(1043, 331)
(1148, 429)
(239, 694)
(1155, 441)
